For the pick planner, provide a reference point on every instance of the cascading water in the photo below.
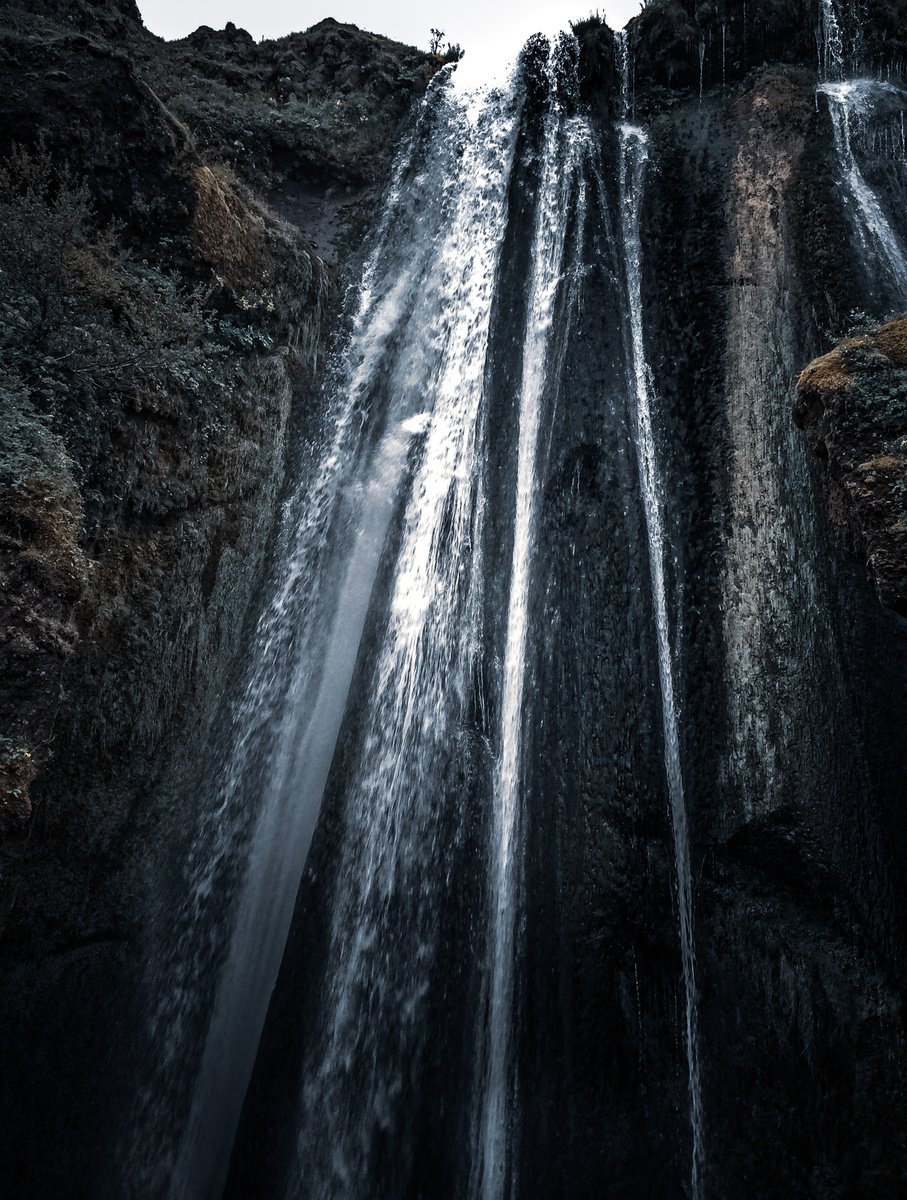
(849, 103)
(634, 155)
(399, 495)
(289, 718)
(391, 881)
(565, 148)
(832, 41)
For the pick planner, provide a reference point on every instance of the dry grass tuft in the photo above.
(827, 375)
(891, 339)
(227, 232)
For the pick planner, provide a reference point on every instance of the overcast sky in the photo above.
(486, 29)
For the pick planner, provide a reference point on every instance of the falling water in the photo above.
(832, 41)
(392, 879)
(565, 146)
(333, 531)
(622, 45)
(849, 100)
(633, 159)
(701, 64)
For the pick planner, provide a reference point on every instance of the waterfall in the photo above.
(622, 47)
(832, 41)
(850, 101)
(392, 878)
(283, 734)
(565, 148)
(701, 65)
(632, 164)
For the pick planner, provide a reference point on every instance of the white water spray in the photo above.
(566, 144)
(850, 101)
(393, 878)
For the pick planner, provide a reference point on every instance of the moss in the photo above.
(852, 404)
(825, 376)
(891, 339)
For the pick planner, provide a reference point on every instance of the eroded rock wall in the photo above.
(164, 332)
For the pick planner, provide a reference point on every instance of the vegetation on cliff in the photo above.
(159, 327)
(852, 405)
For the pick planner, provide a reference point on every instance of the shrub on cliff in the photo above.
(77, 311)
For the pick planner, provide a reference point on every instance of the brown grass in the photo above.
(891, 339)
(827, 375)
(882, 463)
(227, 232)
(49, 520)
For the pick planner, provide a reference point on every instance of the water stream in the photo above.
(850, 101)
(850, 104)
(365, 664)
(565, 148)
(391, 879)
(634, 154)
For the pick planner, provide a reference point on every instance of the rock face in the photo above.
(174, 232)
(162, 332)
(852, 406)
(749, 260)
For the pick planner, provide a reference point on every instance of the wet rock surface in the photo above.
(163, 331)
(134, 532)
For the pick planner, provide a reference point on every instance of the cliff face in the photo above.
(789, 682)
(164, 321)
(173, 234)
(800, 899)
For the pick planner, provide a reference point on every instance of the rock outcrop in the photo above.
(852, 406)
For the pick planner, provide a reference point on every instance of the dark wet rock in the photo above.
(160, 331)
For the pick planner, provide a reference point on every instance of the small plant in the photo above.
(434, 45)
(75, 307)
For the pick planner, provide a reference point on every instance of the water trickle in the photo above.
(701, 64)
(832, 41)
(622, 49)
(566, 145)
(634, 155)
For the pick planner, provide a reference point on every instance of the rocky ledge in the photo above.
(852, 406)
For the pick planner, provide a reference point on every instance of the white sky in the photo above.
(490, 30)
